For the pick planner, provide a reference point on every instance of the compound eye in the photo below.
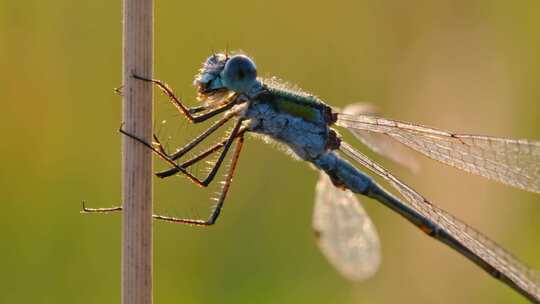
(239, 73)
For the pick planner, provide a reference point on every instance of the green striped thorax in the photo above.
(297, 103)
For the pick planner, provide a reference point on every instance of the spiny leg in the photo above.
(193, 143)
(185, 165)
(162, 156)
(219, 205)
(99, 210)
(197, 158)
(188, 112)
(208, 179)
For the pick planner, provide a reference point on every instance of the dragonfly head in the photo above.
(222, 73)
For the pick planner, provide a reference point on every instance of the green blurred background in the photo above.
(469, 66)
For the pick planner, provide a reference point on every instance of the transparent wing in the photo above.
(381, 143)
(512, 162)
(346, 235)
(468, 239)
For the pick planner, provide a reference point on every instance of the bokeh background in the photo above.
(468, 66)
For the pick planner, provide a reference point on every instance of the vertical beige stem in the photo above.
(137, 161)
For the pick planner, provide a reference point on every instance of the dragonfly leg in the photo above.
(85, 209)
(208, 179)
(199, 157)
(185, 164)
(160, 154)
(196, 222)
(189, 112)
(219, 205)
(119, 90)
(192, 144)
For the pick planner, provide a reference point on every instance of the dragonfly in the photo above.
(228, 87)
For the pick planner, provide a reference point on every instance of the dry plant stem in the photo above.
(137, 161)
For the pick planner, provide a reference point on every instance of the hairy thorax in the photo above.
(306, 137)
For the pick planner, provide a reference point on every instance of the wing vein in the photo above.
(509, 161)
(526, 279)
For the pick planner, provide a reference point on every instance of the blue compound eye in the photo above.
(239, 74)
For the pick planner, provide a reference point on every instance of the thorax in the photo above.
(300, 122)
